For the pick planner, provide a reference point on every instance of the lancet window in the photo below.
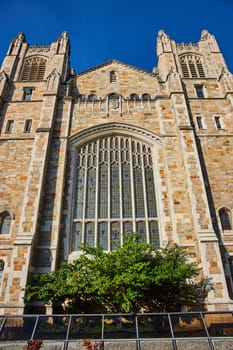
(5, 222)
(225, 218)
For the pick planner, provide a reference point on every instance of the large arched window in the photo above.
(114, 192)
(192, 66)
(33, 69)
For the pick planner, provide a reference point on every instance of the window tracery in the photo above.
(192, 66)
(34, 69)
(114, 193)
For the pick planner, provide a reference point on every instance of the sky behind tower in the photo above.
(126, 30)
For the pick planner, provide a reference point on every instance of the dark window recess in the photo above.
(5, 223)
(218, 122)
(199, 91)
(81, 98)
(92, 97)
(146, 97)
(28, 125)
(27, 93)
(2, 265)
(231, 265)
(134, 97)
(199, 122)
(225, 218)
(9, 126)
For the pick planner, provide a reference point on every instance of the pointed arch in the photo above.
(114, 187)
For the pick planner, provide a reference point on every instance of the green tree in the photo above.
(134, 277)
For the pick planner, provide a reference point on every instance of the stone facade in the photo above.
(181, 112)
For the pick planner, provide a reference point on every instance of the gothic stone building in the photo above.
(87, 156)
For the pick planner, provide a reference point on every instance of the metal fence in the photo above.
(208, 330)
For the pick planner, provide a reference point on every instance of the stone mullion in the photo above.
(109, 190)
(132, 180)
(120, 187)
(144, 194)
(84, 196)
(97, 192)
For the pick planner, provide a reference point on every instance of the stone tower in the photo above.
(87, 156)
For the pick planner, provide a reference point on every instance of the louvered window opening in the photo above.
(113, 77)
(114, 193)
(192, 66)
(34, 69)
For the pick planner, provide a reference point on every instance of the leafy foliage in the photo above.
(132, 278)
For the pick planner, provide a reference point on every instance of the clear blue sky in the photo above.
(126, 30)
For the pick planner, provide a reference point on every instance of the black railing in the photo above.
(136, 331)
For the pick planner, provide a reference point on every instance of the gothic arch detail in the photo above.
(112, 129)
(192, 66)
(114, 186)
(33, 69)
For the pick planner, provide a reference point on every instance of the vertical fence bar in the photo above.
(66, 341)
(102, 332)
(211, 344)
(172, 333)
(138, 343)
(35, 326)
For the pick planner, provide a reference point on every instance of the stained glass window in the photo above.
(115, 193)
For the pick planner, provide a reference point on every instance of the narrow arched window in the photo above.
(5, 222)
(146, 97)
(33, 69)
(92, 97)
(113, 77)
(134, 97)
(81, 98)
(225, 218)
